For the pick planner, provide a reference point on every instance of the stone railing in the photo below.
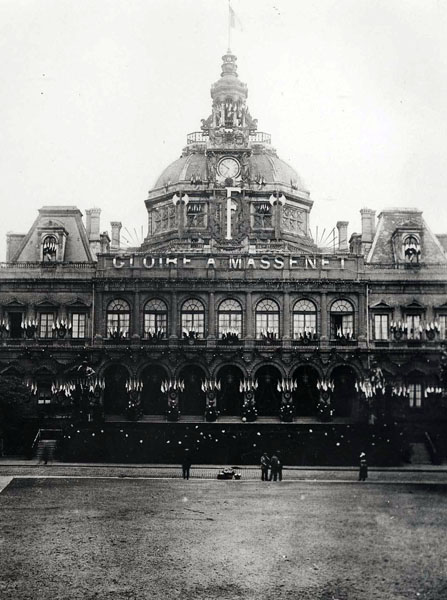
(84, 266)
(196, 137)
(260, 137)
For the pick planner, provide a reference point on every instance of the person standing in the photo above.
(265, 463)
(363, 471)
(278, 454)
(274, 467)
(186, 464)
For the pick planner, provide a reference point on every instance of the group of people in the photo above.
(271, 467)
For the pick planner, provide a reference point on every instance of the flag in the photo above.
(234, 20)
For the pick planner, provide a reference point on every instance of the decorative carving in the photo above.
(162, 218)
(245, 167)
(212, 166)
(292, 219)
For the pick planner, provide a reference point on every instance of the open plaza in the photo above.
(140, 532)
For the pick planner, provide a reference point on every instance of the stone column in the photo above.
(173, 315)
(136, 325)
(324, 333)
(286, 317)
(361, 319)
(211, 316)
(249, 330)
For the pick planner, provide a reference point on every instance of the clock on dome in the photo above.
(229, 167)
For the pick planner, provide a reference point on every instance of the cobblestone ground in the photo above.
(127, 538)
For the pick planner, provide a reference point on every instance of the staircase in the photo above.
(420, 454)
(46, 450)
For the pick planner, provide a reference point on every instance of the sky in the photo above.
(99, 95)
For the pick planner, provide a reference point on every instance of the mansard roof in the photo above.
(395, 220)
(67, 218)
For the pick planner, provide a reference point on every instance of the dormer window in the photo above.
(49, 248)
(411, 249)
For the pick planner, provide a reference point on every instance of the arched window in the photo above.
(230, 317)
(342, 320)
(193, 317)
(49, 248)
(267, 319)
(155, 317)
(411, 249)
(118, 319)
(304, 319)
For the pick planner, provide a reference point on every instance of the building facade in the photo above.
(229, 309)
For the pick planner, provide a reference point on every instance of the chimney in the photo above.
(105, 243)
(368, 229)
(92, 223)
(116, 228)
(13, 241)
(92, 227)
(355, 243)
(342, 227)
(368, 224)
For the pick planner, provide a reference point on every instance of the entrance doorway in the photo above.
(230, 398)
(305, 397)
(115, 395)
(344, 390)
(268, 399)
(153, 401)
(192, 400)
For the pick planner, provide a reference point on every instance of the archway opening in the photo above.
(192, 399)
(268, 398)
(153, 401)
(230, 397)
(115, 395)
(305, 397)
(344, 390)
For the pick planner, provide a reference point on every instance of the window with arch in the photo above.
(342, 320)
(193, 317)
(304, 319)
(230, 318)
(267, 319)
(155, 317)
(411, 249)
(49, 248)
(118, 318)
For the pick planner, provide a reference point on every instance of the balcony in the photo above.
(260, 137)
(196, 137)
(343, 342)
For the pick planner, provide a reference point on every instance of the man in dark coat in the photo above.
(265, 463)
(186, 464)
(275, 466)
(363, 471)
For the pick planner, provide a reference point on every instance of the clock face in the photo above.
(229, 167)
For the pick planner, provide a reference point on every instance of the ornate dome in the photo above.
(229, 188)
(265, 168)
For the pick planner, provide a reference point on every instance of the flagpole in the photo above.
(229, 26)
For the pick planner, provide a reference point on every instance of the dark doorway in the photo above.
(230, 398)
(344, 391)
(15, 325)
(115, 395)
(192, 400)
(268, 399)
(305, 397)
(153, 401)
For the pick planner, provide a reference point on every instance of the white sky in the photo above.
(98, 96)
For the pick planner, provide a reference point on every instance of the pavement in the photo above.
(418, 474)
